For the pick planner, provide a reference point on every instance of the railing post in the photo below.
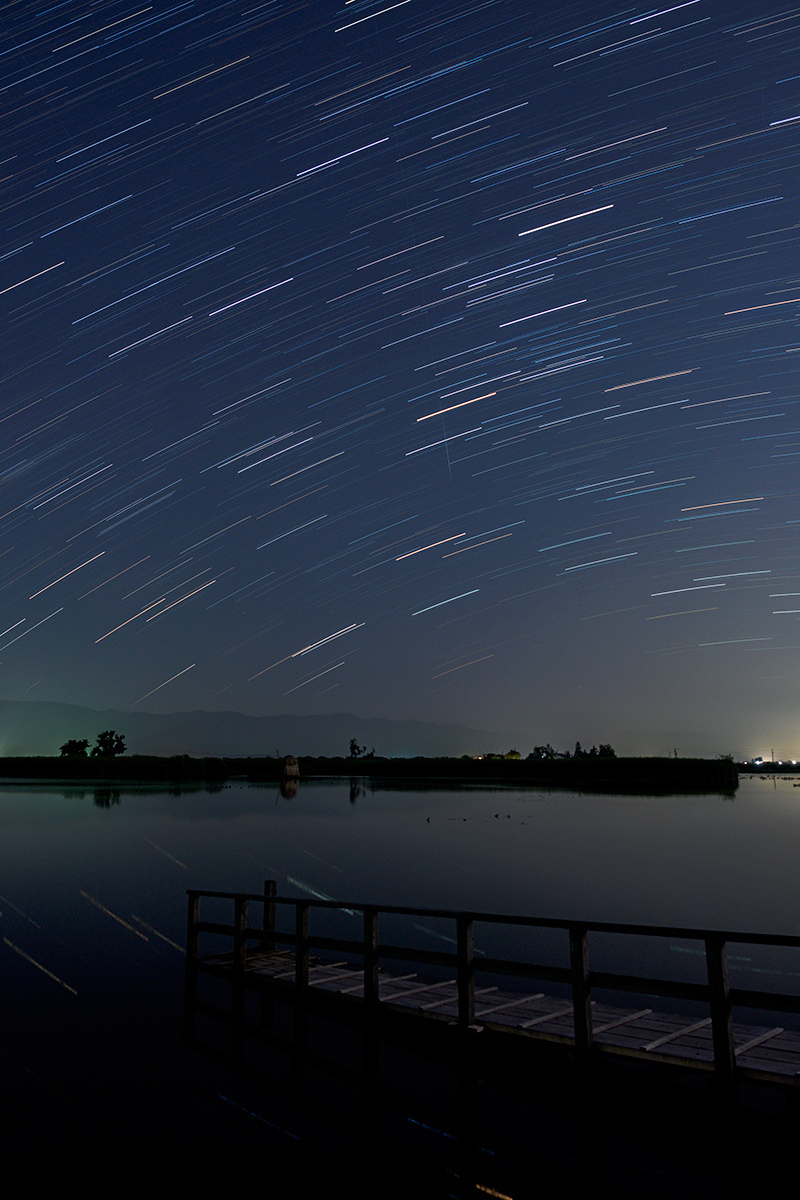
(465, 954)
(581, 991)
(192, 953)
(301, 946)
(268, 922)
(721, 1012)
(371, 956)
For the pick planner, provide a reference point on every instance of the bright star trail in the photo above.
(300, 301)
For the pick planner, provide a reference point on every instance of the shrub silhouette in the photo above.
(108, 745)
(75, 748)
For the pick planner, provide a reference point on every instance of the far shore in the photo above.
(648, 775)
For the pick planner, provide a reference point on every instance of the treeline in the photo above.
(130, 768)
(604, 750)
(589, 773)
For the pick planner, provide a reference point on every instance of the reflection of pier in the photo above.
(595, 1014)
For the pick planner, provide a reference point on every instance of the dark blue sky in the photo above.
(411, 360)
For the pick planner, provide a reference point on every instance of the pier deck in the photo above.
(505, 997)
(760, 1051)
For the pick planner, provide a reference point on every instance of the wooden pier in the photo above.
(598, 1015)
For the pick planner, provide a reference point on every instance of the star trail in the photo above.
(406, 360)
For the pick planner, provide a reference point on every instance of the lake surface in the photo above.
(93, 903)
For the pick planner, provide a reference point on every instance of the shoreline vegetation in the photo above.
(656, 776)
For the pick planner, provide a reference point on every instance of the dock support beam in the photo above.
(268, 945)
(465, 954)
(301, 949)
(721, 1011)
(581, 992)
(371, 956)
(192, 954)
(238, 978)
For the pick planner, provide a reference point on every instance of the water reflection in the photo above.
(104, 797)
(448, 1115)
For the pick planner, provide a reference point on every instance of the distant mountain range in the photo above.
(41, 727)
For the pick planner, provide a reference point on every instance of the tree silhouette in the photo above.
(108, 745)
(75, 748)
(542, 752)
(357, 751)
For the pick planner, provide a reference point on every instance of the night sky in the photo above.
(415, 360)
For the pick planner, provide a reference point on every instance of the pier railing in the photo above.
(580, 978)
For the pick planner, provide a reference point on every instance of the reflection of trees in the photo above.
(357, 789)
(106, 796)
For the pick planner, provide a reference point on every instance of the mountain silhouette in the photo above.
(41, 727)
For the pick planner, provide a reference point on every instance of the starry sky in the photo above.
(413, 360)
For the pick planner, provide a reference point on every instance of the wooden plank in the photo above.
(485, 1012)
(394, 979)
(757, 1041)
(545, 1017)
(437, 1003)
(311, 970)
(331, 982)
(677, 1033)
(423, 987)
(634, 1016)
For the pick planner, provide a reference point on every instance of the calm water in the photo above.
(93, 894)
(694, 860)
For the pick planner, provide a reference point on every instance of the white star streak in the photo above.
(450, 600)
(313, 677)
(252, 296)
(543, 313)
(564, 220)
(34, 963)
(431, 546)
(27, 631)
(66, 573)
(330, 638)
(133, 618)
(11, 287)
(164, 684)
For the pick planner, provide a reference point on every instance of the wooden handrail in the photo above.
(716, 991)
(692, 933)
